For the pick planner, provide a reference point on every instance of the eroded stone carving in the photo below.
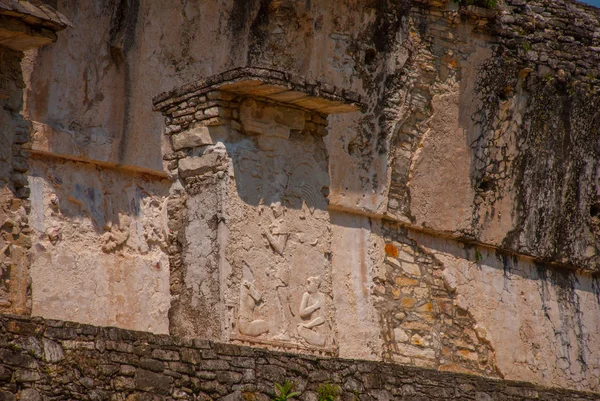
(277, 235)
(250, 297)
(269, 220)
(310, 310)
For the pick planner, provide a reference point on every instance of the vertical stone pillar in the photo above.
(250, 236)
(23, 26)
(15, 239)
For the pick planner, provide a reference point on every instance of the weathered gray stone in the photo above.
(217, 364)
(229, 377)
(152, 364)
(270, 120)
(200, 135)
(191, 355)
(53, 352)
(6, 396)
(192, 166)
(154, 382)
(26, 375)
(30, 394)
(17, 359)
(165, 355)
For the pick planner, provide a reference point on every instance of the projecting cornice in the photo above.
(274, 85)
(28, 24)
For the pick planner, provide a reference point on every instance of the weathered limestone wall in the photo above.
(100, 245)
(61, 360)
(485, 311)
(457, 201)
(23, 25)
(506, 117)
(15, 239)
(248, 212)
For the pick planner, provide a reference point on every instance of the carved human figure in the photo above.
(311, 308)
(249, 298)
(277, 235)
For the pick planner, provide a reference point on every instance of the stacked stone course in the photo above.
(55, 360)
(423, 321)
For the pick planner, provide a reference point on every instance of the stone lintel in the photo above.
(34, 13)
(28, 24)
(277, 86)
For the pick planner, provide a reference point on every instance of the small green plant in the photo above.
(480, 3)
(356, 395)
(478, 256)
(285, 391)
(328, 392)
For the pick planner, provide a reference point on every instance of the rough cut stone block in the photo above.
(17, 359)
(269, 119)
(165, 355)
(26, 375)
(6, 396)
(200, 136)
(146, 380)
(199, 165)
(30, 394)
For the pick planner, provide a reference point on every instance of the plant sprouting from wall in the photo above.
(285, 391)
(328, 392)
(480, 3)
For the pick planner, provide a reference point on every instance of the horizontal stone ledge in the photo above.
(343, 209)
(114, 166)
(35, 13)
(47, 354)
(48, 141)
(275, 85)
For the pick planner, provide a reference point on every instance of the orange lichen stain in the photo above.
(406, 282)
(391, 250)
(407, 302)
(428, 307)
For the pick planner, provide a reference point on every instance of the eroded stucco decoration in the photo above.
(250, 182)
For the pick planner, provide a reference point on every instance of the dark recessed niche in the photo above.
(595, 210)
(485, 185)
(370, 55)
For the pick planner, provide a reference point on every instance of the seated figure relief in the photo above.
(249, 299)
(311, 308)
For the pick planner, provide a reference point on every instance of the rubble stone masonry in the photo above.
(55, 360)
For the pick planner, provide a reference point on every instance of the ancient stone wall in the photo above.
(15, 237)
(100, 245)
(55, 360)
(460, 232)
(23, 26)
(250, 226)
(502, 111)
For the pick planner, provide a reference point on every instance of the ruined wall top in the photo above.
(274, 85)
(563, 34)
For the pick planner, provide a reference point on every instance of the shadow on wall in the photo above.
(292, 172)
(70, 191)
(566, 281)
(98, 94)
(541, 319)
